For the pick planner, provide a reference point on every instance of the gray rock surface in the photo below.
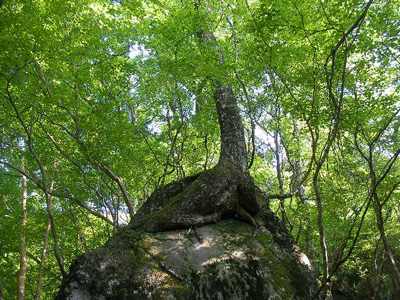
(227, 260)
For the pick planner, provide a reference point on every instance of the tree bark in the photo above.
(22, 243)
(394, 271)
(46, 239)
(233, 143)
(279, 175)
(225, 190)
(121, 185)
(43, 258)
(322, 237)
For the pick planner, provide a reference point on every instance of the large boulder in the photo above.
(230, 259)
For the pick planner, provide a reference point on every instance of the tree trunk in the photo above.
(308, 231)
(225, 190)
(279, 175)
(46, 238)
(322, 237)
(233, 143)
(22, 243)
(43, 258)
(393, 269)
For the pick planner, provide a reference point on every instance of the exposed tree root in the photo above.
(223, 191)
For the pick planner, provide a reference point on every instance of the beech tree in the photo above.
(226, 189)
(201, 107)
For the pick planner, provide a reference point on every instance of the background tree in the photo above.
(120, 97)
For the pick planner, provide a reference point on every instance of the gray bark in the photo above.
(226, 190)
(233, 143)
(22, 242)
(394, 271)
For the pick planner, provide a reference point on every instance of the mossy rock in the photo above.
(227, 260)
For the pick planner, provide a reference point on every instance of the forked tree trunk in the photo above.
(380, 224)
(393, 269)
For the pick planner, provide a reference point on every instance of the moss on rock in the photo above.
(227, 260)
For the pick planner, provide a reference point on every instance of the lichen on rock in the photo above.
(230, 259)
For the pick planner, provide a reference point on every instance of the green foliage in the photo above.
(127, 86)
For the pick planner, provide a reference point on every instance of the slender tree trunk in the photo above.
(22, 242)
(394, 271)
(43, 184)
(279, 175)
(57, 254)
(309, 248)
(43, 258)
(322, 237)
(319, 163)
(374, 182)
(120, 183)
(46, 238)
